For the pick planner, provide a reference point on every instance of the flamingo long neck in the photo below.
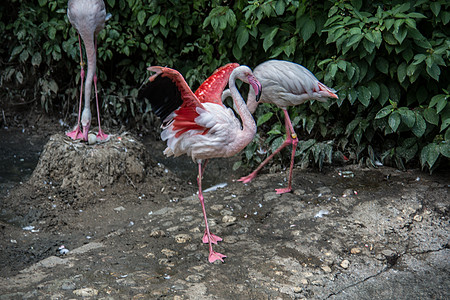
(248, 123)
(91, 65)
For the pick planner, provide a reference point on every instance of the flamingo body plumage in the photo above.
(285, 84)
(201, 126)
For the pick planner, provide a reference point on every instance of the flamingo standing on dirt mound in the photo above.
(88, 17)
(199, 125)
(285, 84)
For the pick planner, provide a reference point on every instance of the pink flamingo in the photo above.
(285, 84)
(88, 17)
(199, 125)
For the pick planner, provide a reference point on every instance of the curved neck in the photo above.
(248, 123)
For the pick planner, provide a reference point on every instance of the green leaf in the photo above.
(444, 149)
(268, 40)
(308, 28)
(435, 8)
(401, 72)
(431, 116)
(434, 71)
(385, 111)
(430, 154)
(394, 121)
(141, 17)
(364, 95)
(374, 89)
(384, 94)
(382, 65)
(242, 36)
(264, 118)
(36, 59)
(420, 126)
(408, 117)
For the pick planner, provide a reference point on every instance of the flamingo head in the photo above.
(256, 85)
(86, 122)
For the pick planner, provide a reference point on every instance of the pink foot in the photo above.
(101, 136)
(214, 239)
(213, 256)
(283, 191)
(247, 178)
(76, 134)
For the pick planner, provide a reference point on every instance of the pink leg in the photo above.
(208, 237)
(291, 138)
(77, 134)
(101, 135)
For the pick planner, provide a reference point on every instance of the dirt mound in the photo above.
(70, 163)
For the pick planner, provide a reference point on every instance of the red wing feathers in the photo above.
(211, 89)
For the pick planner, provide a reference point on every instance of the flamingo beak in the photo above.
(256, 85)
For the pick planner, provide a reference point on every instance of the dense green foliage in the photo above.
(388, 60)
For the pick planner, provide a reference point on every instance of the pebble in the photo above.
(216, 207)
(327, 269)
(304, 281)
(120, 208)
(194, 278)
(168, 253)
(270, 196)
(418, 218)
(157, 233)
(345, 264)
(68, 285)
(182, 238)
(388, 253)
(355, 250)
(86, 292)
(228, 219)
(299, 192)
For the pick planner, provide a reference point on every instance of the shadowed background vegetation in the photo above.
(388, 60)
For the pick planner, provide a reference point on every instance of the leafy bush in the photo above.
(387, 60)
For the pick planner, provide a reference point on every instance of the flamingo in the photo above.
(88, 17)
(199, 125)
(285, 84)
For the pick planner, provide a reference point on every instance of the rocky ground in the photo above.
(345, 233)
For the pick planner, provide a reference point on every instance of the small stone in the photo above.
(157, 233)
(194, 278)
(299, 192)
(182, 238)
(120, 208)
(68, 285)
(270, 196)
(228, 219)
(216, 207)
(304, 281)
(297, 289)
(355, 250)
(86, 292)
(418, 218)
(388, 253)
(168, 253)
(345, 264)
(327, 269)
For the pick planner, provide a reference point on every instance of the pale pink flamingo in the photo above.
(285, 84)
(88, 17)
(199, 125)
